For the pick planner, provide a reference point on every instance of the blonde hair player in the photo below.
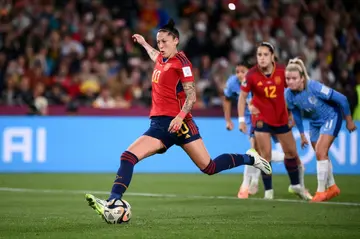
(326, 108)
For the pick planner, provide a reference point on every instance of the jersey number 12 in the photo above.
(270, 91)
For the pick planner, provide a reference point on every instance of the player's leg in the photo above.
(263, 142)
(254, 172)
(143, 147)
(249, 176)
(325, 176)
(322, 166)
(200, 156)
(155, 140)
(292, 161)
(191, 142)
(276, 156)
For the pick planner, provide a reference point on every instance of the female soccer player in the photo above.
(173, 95)
(325, 107)
(251, 175)
(266, 82)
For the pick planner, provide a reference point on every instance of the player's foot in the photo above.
(298, 190)
(269, 194)
(319, 197)
(332, 191)
(243, 193)
(260, 162)
(253, 188)
(97, 204)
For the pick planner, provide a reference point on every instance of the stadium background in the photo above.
(76, 62)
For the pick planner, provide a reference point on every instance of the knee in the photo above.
(290, 153)
(266, 156)
(209, 169)
(321, 154)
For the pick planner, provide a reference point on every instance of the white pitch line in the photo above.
(29, 190)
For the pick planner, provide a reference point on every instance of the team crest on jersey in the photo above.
(312, 100)
(259, 124)
(277, 80)
(167, 66)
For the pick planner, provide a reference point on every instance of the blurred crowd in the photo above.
(81, 53)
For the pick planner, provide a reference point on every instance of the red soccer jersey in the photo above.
(168, 95)
(268, 95)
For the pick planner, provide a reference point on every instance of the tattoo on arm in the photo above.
(152, 52)
(189, 88)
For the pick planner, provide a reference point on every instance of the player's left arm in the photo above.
(329, 94)
(326, 93)
(188, 83)
(190, 91)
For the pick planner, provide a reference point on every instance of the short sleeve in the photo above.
(246, 84)
(184, 68)
(186, 74)
(228, 88)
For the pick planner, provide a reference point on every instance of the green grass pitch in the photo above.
(172, 206)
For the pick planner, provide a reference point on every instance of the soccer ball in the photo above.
(117, 212)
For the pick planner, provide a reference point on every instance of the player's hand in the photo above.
(291, 121)
(304, 141)
(175, 124)
(229, 125)
(139, 39)
(253, 110)
(350, 125)
(242, 127)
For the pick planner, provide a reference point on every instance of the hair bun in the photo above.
(171, 23)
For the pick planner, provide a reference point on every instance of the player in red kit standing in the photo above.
(173, 95)
(266, 81)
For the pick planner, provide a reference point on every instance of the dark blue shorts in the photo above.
(274, 138)
(159, 129)
(261, 126)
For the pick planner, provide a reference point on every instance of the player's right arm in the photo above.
(245, 89)
(227, 105)
(296, 114)
(152, 52)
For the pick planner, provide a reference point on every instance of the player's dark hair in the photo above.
(170, 28)
(268, 45)
(247, 64)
